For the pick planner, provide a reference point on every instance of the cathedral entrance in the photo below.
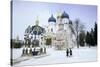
(48, 41)
(35, 43)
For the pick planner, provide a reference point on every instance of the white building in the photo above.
(58, 31)
(58, 34)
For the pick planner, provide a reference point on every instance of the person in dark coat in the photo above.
(67, 52)
(26, 51)
(70, 52)
(23, 52)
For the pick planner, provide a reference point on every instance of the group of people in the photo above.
(69, 52)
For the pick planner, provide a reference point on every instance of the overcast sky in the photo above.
(26, 12)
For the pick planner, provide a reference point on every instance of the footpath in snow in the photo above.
(83, 54)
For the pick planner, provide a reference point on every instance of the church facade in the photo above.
(59, 32)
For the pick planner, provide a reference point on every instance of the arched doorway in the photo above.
(35, 43)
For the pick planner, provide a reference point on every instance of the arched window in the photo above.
(51, 30)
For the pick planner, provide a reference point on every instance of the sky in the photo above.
(24, 13)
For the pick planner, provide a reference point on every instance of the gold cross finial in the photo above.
(58, 14)
(37, 21)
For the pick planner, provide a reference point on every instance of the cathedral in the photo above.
(59, 32)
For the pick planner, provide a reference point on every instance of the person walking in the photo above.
(67, 52)
(70, 52)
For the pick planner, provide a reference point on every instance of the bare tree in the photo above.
(79, 27)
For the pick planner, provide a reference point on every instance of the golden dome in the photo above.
(58, 14)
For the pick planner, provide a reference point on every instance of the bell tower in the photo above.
(52, 23)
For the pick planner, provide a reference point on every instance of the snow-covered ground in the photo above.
(84, 54)
(16, 53)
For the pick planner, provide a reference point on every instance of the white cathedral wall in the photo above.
(59, 21)
(64, 35)
(52, 25)
(65, 20)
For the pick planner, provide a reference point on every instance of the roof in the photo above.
(64, 15)
(51, 19)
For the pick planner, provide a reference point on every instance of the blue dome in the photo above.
(64, 15)
(51, 19)
(37, 30)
